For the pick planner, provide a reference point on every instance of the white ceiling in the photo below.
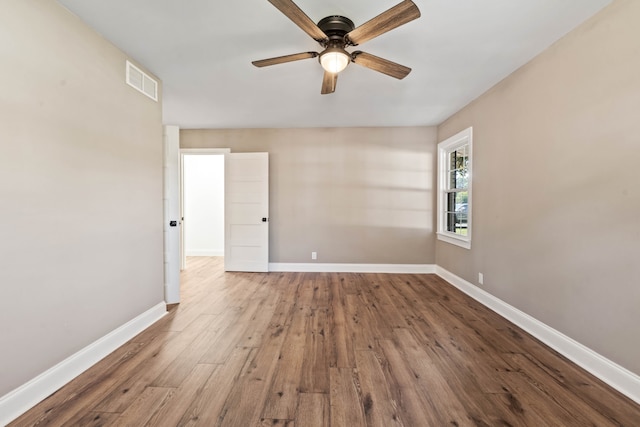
(202, 50)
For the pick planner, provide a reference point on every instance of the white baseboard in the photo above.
(205, 253)
(352, 268)
(611, 373)
(20, 400)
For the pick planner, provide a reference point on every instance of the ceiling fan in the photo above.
(335, 33)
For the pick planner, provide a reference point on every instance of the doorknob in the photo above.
(265, 219)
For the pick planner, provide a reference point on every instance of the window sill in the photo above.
(463, 243)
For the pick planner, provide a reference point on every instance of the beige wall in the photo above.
(556, 187)
(80, 190)
(357, 195)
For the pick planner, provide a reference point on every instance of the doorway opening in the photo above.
(202, 203)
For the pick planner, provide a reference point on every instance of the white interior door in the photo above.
(172, 221)
(246, 212)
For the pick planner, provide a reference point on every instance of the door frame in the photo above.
(190, 152)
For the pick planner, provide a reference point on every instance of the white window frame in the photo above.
(444, 149)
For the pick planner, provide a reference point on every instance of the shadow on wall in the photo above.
(373, 205)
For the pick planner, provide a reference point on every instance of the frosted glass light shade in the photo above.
(334, 60)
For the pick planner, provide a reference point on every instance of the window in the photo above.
(454, 189)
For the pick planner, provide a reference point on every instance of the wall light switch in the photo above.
(314, 255)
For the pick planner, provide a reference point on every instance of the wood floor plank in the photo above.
(461, 350)
(340, 346)
(417, 408)
(305, 293)
(174, 374)
(314, 377)
(101, 382)
(331, 349)
(345, 409)
(516, 413)
(96, 419)
(320, 291)
(259, 321)
(377, 314)
(380, 408)
(512, 405)
(349, 282)
(379, 295)
(221, 347)
(277, 423)
(503, 339)
(430, 380)
(282, 397)
(184, 315)
(286, 289)
(360, 324)
(313, 410)
(77, 396)
(425, 316)
(174, 407)
(533, 403)
(559, 394)
(205, 409)
(143, 375)
(610, 403)
(139, 412)
(245, 401)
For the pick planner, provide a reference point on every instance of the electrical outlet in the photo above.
(314, 255)
(481, 278)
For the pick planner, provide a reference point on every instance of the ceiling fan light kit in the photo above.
(334, 33)
(334, 59)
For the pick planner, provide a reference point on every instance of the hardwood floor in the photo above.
(331, 349)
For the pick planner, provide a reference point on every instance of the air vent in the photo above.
(138, 79)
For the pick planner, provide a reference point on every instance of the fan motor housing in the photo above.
(336, 27)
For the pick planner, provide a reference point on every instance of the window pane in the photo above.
(458, 170)
(451, 222)
(461, 231)
(462, 197)
(461, 178)
(453, 181)
(453, 161)
(461, 213)
(450, 212)
(461, 158)
(451, 202)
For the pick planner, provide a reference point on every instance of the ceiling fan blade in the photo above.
(293, 12)
(283, 59)
(381, 65)
(329, 83)
(398, 15)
